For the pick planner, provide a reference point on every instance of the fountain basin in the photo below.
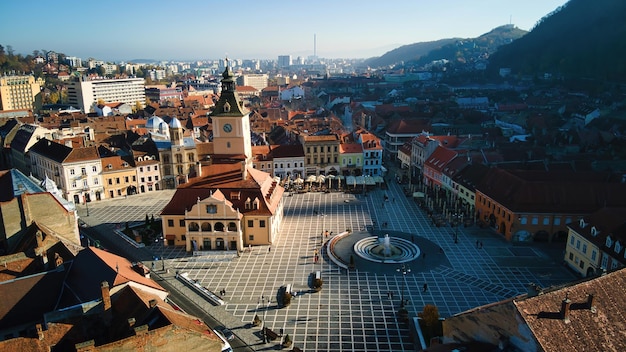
(392, 250)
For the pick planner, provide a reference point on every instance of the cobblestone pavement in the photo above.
(354, 311)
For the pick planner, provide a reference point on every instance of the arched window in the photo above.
(206, 226)
(248, 202)
(218, 226)
(193, 226)
(232, 226)
(255, 204)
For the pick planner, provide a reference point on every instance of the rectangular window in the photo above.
(571, 256)
(134, 178)
(170, 223)
(557, 221)
(250, 237)
(261, 223)
(143, 179)
(117, 180)
(211, 209)
(593, 255)
(83, 171)
(71, 171)
(250, 223)
(183, 237)
(156, 178)
(308, 149)
(582, 264)
(546, 221)
(119, 192)
(148, 168)
(141, 169)
(126, 179)
(335, 149)
(571, 240)
(156, 167)
(181, 223)
(578, 244)
(94, 168)
(335, 160)
(95, 180)
(73, 184)
(149, 178)
(585, 248)
(110, 181)
(535, 220)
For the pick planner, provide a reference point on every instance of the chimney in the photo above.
(39, 331)
(85, 346)
(199, 166)
(590, 301)
(152, 303)
(107, 312)
(131, 322)
(565, 307)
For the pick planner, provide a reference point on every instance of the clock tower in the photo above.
(231, 123)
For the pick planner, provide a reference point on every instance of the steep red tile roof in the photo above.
(82, 154)
(408, 126)
(552, 191)
(346, 148)
(595, 327)
(227, 178)
(440, 158)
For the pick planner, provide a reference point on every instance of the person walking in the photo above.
(269, 249)
(425, 287)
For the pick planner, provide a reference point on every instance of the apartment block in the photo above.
(85, 94)
(20, 92)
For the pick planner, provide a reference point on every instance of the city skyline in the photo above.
(200, 30)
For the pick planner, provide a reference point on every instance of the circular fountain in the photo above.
(386, 249)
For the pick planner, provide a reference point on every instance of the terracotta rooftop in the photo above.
(348, 148)
(550, 191)
(595, 323)
(408, 126)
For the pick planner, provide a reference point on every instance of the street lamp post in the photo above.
(456, 218)
(163, 253)
(267, 306)
(86, 190)
(404, 269)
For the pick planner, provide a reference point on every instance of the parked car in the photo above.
(228, 334)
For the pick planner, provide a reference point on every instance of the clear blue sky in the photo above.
(248, 29)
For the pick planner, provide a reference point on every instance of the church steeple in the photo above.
(229, 102)
(231, 123)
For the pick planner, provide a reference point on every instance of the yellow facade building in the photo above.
(20, 92)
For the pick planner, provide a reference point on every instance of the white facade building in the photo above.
(85, 93)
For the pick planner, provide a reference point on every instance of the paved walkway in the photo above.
(353, 311)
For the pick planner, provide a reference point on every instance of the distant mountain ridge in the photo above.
(583, 38)
(452, 49)
(408, 52)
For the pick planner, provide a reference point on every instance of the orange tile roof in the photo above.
(599, 327)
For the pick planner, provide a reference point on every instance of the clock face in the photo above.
(228, 128)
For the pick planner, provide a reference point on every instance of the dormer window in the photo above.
(211, 208)
(109, 166)
(594, 231)
(608, 242)
(248, 203)
(582, 223)
(235, 195)
(618, 247)
(255, 204)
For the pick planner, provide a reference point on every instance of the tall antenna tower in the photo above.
(314, 45)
